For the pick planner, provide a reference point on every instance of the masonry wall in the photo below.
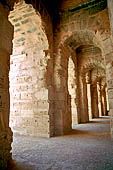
(30, 75)
(78, 27)
(6, 34)
(109, 66)
(74, 29)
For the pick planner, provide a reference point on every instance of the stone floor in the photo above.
(88, 147)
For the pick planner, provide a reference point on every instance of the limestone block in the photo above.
(110, 93)
(42, 95)
(110, 104)
(26, 96)
(18, 58)
(110, 84)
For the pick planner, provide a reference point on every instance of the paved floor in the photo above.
(88, 147)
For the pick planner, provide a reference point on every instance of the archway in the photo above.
(77, 42)
(30, 76)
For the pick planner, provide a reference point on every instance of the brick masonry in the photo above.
(47, 60)
(29, 76)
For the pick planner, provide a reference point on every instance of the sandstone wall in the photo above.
(30, 74)
(109, 66)
(6, 33)
(82, 27)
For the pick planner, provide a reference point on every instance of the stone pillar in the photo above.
(31, 70)
(109, 64)
(89, 95)
(62, 99)
(72, 87)
(99, 98)
(6, 34)
(107, 100)
(94, 101)
(110, 10)
(83, 101)
(104, 101)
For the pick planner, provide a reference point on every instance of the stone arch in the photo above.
(95, 74)
(72, 41)
(5, 52)
(60, 126)
(31, 92)
(84, 37)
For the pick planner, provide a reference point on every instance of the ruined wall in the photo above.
(30, 74)
(109, 65)
(79, 26)
(94, 18)
(110, 9)
(6, 34)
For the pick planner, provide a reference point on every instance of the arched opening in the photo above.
(92, 70)
(53, 88)
(86, 69)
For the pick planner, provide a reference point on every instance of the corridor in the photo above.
(88, 147)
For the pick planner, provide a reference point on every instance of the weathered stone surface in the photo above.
(51, 56)
(6, 33)
(28, 75)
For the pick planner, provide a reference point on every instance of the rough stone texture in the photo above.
(82, 29)
(30, 81)
(6, 33)
(62, 112)
(43, 101)
(94, 102)
(109, 67)
(110, 5)
(61, 115)
(87, 62)
(72, 87)
(89, 98)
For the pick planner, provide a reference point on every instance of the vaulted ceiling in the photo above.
(55, 5)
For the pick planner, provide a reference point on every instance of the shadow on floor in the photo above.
(13, 165)
(97, 122)
(100, 120)
(79, 132)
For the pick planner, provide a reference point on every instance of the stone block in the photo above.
(111, 104)
(110, 93)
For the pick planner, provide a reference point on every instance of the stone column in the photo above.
(62, 100)
(107, 100)
(6, 34)
(31, 75)
(94, 101)
(72, 87)
(83, 101)
(99, 98)
(104, 101)
(109, 64)
(89, 95)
